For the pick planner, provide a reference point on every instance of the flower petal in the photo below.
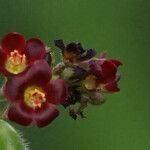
(20, 114)
(78, 73)
(3, 57)
(75, 48)
(95, 67)
(109, 71)
(116, 62)
(39, 73)
(89, 54)
(13, 41)
(104, 69)
(57, 91)
(14, 88)
(46, 114)
(35, 49)
(111, 87)
(60, 44)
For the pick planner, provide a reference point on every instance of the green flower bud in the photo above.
(67, 73)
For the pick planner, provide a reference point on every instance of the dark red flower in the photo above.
(74, 52)
(103, 75)
(16, 54)
(33, 96)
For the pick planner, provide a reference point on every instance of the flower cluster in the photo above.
(34, 88)
(88, 77)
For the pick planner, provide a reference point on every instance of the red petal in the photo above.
(116, 62)
(20, 114)
(46, 115)
(108, 72)
(13, 41)
(39, 73)
(3, 57)
(95, 67)
(112, 87)
(104, 69)
(57, 91)
(14, 88)
(35, 49)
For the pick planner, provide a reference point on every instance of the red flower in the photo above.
(103, 75)
(16, 54)
(33, 97)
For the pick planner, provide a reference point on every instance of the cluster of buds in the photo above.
(34, 87)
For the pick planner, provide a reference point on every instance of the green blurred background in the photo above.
(122, 29)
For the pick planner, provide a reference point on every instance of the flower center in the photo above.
(90, 82)
(16, 62)
(34, 97)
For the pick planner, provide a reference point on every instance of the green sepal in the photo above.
(67, 73)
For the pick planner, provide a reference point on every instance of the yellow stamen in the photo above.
(16, 62)
(34, 97)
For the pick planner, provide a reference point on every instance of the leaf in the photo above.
(10, 139)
